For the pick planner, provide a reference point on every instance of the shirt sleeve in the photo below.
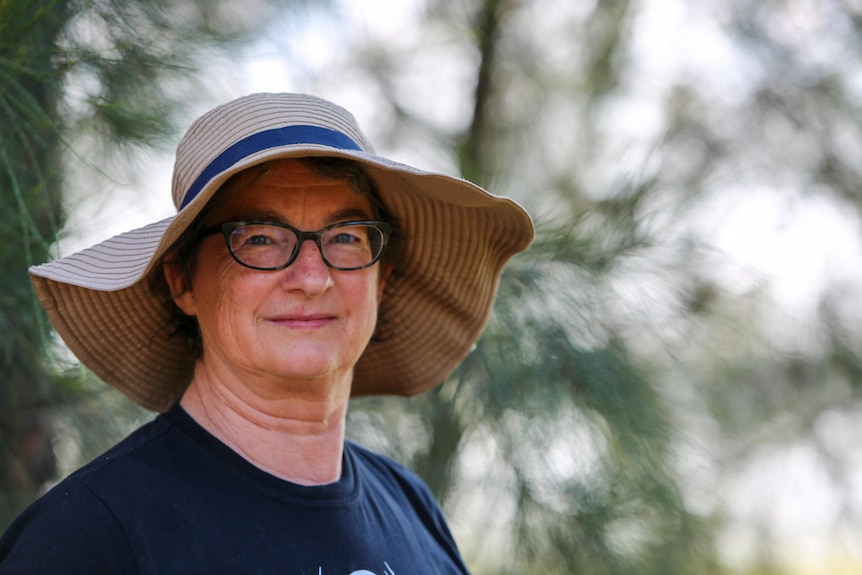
(69, 530)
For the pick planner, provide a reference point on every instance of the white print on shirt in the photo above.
(388, 571)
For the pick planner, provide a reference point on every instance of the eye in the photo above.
(260, 235)
(258, 240)
(346, 238)
(352, 237)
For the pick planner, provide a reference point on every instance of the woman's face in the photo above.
(298, 324)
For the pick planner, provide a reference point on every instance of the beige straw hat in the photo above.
(456, 239)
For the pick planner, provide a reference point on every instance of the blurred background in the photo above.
(671, 382)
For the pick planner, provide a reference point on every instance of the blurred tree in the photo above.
(118, 72)
(632, 369)
(550, 441)
(31, 217)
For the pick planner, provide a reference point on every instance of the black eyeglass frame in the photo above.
(227, 229)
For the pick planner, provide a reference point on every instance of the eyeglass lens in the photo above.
(270, 246)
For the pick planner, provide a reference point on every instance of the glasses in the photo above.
(274, 246)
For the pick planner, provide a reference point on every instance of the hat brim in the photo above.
(456, 238)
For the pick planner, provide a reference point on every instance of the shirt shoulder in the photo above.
(70, 530)
(387, 473)
(73, 528)
(387, 480)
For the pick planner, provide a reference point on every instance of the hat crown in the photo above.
(244, 123)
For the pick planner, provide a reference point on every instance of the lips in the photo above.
(304, 321)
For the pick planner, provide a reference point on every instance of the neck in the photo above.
(298, 437)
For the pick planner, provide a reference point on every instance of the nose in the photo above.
(308, 272)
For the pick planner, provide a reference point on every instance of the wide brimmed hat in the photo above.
(455, 239)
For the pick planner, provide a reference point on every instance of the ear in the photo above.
(180, 292)
(381, 282)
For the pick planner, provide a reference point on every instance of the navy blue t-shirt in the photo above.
(172, 499)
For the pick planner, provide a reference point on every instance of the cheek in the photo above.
(354, 292)
(217, 287)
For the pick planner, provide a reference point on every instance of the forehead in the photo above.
(290, 191)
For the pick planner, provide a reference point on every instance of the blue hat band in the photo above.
(288, 135)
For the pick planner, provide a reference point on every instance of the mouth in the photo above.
(304, 321)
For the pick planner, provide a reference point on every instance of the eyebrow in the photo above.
(344, 215)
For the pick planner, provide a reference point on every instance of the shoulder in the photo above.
(407, 497)
(376, 460)
(68, 530)
(384, 469)
(74, 528)
(385, 478)
(128, 463)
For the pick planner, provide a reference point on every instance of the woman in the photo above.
(301, 269)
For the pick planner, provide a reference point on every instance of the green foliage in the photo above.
(119, 71)
(626, 377)
(624, 328)
(29, 204)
